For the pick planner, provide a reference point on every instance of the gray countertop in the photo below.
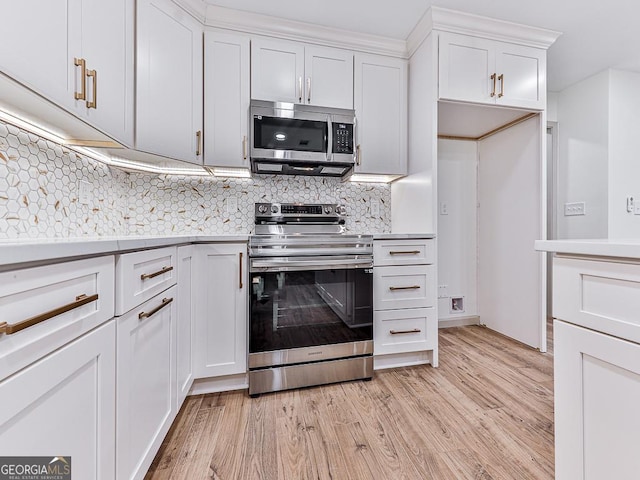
(607, 247)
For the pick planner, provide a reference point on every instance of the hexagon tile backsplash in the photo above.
(49, 191)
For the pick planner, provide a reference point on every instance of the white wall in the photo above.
(583, 113)
(552, 106)
(624, 152)
(457, 230)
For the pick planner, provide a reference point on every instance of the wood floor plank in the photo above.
(486, 413)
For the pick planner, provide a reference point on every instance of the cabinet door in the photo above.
(380, 91)
(405, 330)
(277, 71)
(42, 61)
(184, 323)
(221, 306)
(64, 404)
(146, 388)
(597, 392)
(466, 65)
(328, 77)
(522, 76)
(226, 99)
(409, 286)
(107, 47)
(169, 81)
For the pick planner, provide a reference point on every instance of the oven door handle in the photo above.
(284, 264)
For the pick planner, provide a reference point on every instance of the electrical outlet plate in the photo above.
(444, 208)
(85, 191)
(575, 208)
(374, 207)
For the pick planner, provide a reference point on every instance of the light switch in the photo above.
(576, 208)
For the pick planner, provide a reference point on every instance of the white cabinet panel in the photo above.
(169, 81)
(328, 77)
(141, 275)
(524, 76)
(404, 252)
(226, 99)
(403, 287)
(64, 404)
(221, 310)
(397, 331)
(146, 382)
(380, 99)
(184, 323)
(597, 391)
(277, 70)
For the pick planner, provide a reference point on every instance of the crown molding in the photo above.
(445, 20)
(257, 24)
(195, 8)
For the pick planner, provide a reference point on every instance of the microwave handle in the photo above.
(329, 139)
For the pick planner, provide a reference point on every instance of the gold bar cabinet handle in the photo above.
(358, 154)
(244, 147)
(404, 252)
(493, 92)
(501, 78)
(240, 275)
(81, 62)
(94, 102)
(16, 327)
(299, 89)
(145, 276)
(198, 143)
(308, 89)
(165, 302)
(412, 287)
(400, 332)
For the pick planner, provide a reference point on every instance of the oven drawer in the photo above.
(142, 275)
(404, 252)
(410, 286)
(408, 330)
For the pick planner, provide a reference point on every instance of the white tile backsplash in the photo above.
(40, 197)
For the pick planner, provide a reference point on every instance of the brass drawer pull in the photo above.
(81, 62)
(94, 102)
(493, 92)
(501, 78)
(144, 276)
(404, 252)
(198, 143)
(16, 327)
(400, 332)
(412, 287)
(165, 302)
(244, 147)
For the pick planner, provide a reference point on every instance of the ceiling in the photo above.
(596, 34)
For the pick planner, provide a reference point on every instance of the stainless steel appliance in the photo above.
(311, 298)
(293, 139)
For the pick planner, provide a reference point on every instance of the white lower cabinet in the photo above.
(184, 323)
(64, 404)
(221, 309)
(146, 382)
(397, 331)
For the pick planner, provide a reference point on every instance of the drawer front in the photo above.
(404, 252)
(410, 286)
(142, 275)
(61, 301)
(600, 295)
(401, 331)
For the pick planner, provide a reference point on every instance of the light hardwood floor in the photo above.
(485, 413)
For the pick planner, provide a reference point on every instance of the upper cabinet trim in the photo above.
(446, 20)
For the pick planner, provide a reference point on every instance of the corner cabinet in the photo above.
(184, 322)
(292, 72)
(380, 98)
(169, 81)
(81, 57)
(221, 309)
(226, 99)
(478, 70)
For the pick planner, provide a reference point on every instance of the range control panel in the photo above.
(299, 213)
(342, 138)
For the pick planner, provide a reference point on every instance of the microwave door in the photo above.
(290, 138)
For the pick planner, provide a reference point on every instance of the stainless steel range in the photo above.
(311, 298)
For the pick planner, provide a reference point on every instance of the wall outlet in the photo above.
(630, 204)
(444, 208)
(636, 208)
(374, 207)
(442, 291)
(575, 208)
(85, 192)
(230, 206)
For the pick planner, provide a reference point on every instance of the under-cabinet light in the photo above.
(364, 178)
(230, 172)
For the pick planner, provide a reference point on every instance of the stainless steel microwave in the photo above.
(294, 139)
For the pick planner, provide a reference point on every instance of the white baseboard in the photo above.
(394, 360)
(219, 384)
(458, 321)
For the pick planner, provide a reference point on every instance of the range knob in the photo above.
(341, 210)
(262, 208)
(328, 209)
(274, 208)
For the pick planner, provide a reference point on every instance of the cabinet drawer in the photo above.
(142, 275)
(410, 286)
(409, 330)
(600, 295)
(404, 252)
(61, 302)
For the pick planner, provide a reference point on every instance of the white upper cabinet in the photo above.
(478, 70)
(81, 57)
(169, 81)
(381, 114)
(284, 71)
(226, 99)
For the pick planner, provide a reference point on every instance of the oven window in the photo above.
(310, 308)
(289, 134)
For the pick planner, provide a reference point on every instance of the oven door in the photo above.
(298, 303)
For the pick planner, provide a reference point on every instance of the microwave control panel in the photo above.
(343, 138)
